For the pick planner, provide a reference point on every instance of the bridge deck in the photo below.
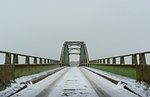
(74, 82)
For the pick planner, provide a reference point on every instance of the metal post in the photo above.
(142, 59)
(103, 61)
(27, 60)
(48, 61)
(35, 60)
(114, 60)
(122, 60)
(44, 61)
(100, 61)
(108, 61)
(134, 59)
(40, 61)
(8, 58)
(15, 59)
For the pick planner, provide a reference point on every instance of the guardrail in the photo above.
(7, 70)
(135, 60)
(9, 55)
(142, 68)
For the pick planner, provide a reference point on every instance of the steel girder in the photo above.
(66, 51)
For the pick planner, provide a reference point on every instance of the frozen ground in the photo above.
(140, 88)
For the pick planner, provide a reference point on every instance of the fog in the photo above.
(108, 27)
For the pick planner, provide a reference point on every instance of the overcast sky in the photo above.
(108, 27)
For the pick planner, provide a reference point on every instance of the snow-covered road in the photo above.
(74, 82)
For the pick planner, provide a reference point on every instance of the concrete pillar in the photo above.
(108, 61)
(142, 59)
(41, 61)
(8, 58)
(15, 59)
(27, 60)
(134, 59)
(122, 60)
(35, 60)
(114, 60)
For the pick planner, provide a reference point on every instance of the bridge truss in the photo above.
(79, 46)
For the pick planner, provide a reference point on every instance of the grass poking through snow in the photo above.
(120, 70)
(29, 70)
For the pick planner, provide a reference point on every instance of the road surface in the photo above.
(74, 82)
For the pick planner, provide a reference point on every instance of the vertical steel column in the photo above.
(35, 60)
(142, 59)
(48, 61)
(134, 59)
(40, 61)
(122, 60)
(114, 60)
(100, 61)
(44, 61)
(8, 58)
(108, 61)
(15, 59)
(27, 60)
(104, 61)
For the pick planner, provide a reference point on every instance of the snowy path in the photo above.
(74, 82)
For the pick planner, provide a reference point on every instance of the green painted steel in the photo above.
(66, 51)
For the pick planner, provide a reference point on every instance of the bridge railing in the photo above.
(11, 65)
(135, 60)
(13, 58)
(138, 61)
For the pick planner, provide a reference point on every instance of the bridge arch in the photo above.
(68, 46)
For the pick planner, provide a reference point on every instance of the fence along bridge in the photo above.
(74, 81)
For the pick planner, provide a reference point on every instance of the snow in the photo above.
(22, 81)
(76, 82)
(140, 88)
(73, 84)
(34, 90)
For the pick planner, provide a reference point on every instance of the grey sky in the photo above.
(109, 27)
